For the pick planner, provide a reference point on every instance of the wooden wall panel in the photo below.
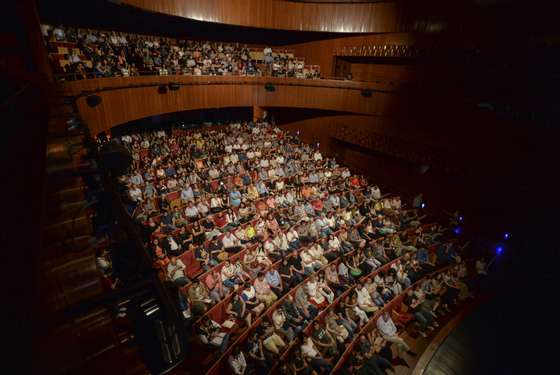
(322, 52)
(393, 174)
(285, 15)
(396, 73)
(128, 99)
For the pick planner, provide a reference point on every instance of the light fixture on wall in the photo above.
(93, 100)
(366, 93)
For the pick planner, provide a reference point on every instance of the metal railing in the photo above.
(65, 77)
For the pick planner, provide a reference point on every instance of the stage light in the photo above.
(506, 236)
(318, 144)
(457, 230)
(423, 205)
(499, 249)
(460, 218)
(297, 132)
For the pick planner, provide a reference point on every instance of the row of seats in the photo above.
(220, 366)
(86, 53)
(384, 50)
(219, 312)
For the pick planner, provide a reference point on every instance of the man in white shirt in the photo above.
(280, 324)
(135, 194)
(365, 302)
(176, 272)
(237, 362)
(191, 212)
(231, 243)
(388, 330)
(375, 193)
(210, 333)
(229, 275)
(308, 349)
(213, 173)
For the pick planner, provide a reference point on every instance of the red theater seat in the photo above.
(193, 266)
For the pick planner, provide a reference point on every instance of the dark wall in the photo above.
(186, 118)
(501, 170)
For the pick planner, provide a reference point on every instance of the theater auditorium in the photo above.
(287, 187)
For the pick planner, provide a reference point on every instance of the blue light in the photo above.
(499, 249)
(457, 230)
(506, 236)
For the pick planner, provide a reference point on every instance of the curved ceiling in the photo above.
(107, 15)
(283, 15)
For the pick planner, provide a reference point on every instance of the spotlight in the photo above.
(318, 144)
(457, 230)
(423, 205)
(297, 132)
(506, 236)
(499, 249)
(460, 218)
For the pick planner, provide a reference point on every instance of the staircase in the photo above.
(77, 338)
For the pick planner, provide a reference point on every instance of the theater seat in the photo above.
(218, 312)
(193, 266)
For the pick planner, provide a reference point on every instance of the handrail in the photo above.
(71, 77)
(139, 73)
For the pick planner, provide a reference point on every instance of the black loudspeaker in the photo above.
(174, 86)
(269, 87)
(162, 90)
(93, 100)
(115, 157)
(366, 93)
(162, 344)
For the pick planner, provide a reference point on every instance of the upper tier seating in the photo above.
(85, 53)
